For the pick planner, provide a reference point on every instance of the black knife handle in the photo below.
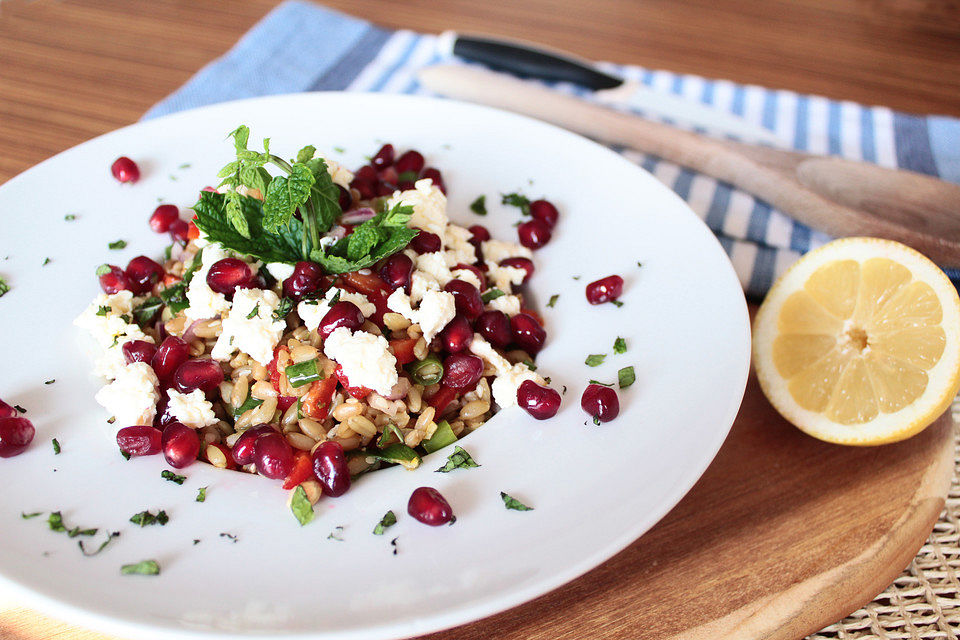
(529, 62)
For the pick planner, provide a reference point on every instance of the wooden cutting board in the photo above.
(782, 536)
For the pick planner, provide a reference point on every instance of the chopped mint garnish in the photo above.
(46, 261)
(229, 536)
(626, 377)
(4, 287)
(339, 149)
(576, 277)
(388, 520)
(522, 202)
(50, 381)
(284, 308)
(202, 494)
(55, 522)
(145, 518)
(102, 270)
(70, 217)
(530, 365)
(166, 474)
(56, 447)
(602, 384)
(619, 345)
(491, 294)
(143, 568)
(249, 403)
(254, 312)
(392, 428)
(301, 507)
(512, 503)
(303, 373)
(103, 310)
(118, 244)
(398, 454)
(479, 206)
(147, 310)
(27, 516)
(616, 303)
(459, 459)
(103, 545)
(553, 300)
(185, 165)
(336, 534)
(595, 359)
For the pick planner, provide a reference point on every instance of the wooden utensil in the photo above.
(840, 197)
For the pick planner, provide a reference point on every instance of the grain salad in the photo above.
(310, 324)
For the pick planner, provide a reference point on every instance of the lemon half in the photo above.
(859, 342)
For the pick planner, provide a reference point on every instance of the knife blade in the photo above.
(532, 61)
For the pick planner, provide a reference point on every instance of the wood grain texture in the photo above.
(741, 554)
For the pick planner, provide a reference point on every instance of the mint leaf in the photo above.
(166, 474)
(70, 217)
(301, 507)
(28, 516)
(595, 359)
(284, 195)
(145, 518)
(55, 522)
(234, 213)
(249, 403)
(175, 297)
(626, 377)
(512, 503)
(398, 454)
(147, 310)
(118, 244)
(110, 536)
(306, 153)
(479, 206)
(619, 345)
(201, 494)
(104, 310)
(492, 294)
(459, 459)
(283, 246)
(325, 197)
(388, 520)
(369, 243)
(56, 447)
(103, 270)
(4, 287)
(143, 568)
(518, 200)
(603, 384)
(553, 300)
(387, 430)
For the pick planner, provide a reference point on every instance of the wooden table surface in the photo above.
(71, 70)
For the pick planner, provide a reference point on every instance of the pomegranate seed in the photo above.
(425, 242)
(410, 161)
(143, 273)
(171, 353)
(527, 333)
(163, 416)
(366, 173)
(243, 448)
(273, 456)
(519, 263)
(345, 200)
(466, 298)
(125, 170)
(545, 212)
(226, 275)
(141, 440)
(181, 445)
(533, 234)
(456, 336)
(330, 467)
(16, 434)
(462, 370)
(307, 278)
(604, 289)
(389, 175)
(6, 411)
(494, 327)
(429, 507)
(385, 188)
(435, 177)
(343, 314)
(138, 351)
(203, 374)
(540, 402)
(115, 280)
(406, 185)
(179, 231)
(384, 157)
(600, 402)
(397, 271)
(163, 216)
(365, 188)
(480, 233)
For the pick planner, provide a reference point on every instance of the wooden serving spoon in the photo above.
(840, 197)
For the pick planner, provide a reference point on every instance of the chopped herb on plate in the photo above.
(27, 516)
(518, 200)
(619, 345)
(595, 359)
(553, 300)
(145, 518)
(512, 503)
(70, 217)
(4, 287)
(118, 244)
(301, 507)
(626, 377)
(143, 568)
(50, 381)
(166, 474)
(388, 520)
(336, 534)
(459, 459)
(479, 206)
(202, 494)
(491, 294)
(56, 447)
(103, 545)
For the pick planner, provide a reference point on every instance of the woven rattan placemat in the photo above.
(923, 603)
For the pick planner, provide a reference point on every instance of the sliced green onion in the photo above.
(249, 403)
(427, 371)
(440, 438)
(303, 373)
(398, 454)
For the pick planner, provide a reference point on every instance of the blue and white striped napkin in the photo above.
(301, 46)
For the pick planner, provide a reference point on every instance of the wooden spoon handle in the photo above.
(840, 197)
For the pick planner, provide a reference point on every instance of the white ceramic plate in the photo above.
(594, 489)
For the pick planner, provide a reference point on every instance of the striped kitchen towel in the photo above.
(302, 46)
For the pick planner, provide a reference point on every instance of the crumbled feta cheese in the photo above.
(436, 310)
(257, 335)
(456, 241)
(112, 328)
(508, 378)
(365, 359)
(312, 311)
(204, 301)
(496, 250)
(132, 397)
(192, 409)
(280, 270)
(340, 174)
(111, 363)
(429, 206)
(508, 304)
(504, 278)
(467, 275)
